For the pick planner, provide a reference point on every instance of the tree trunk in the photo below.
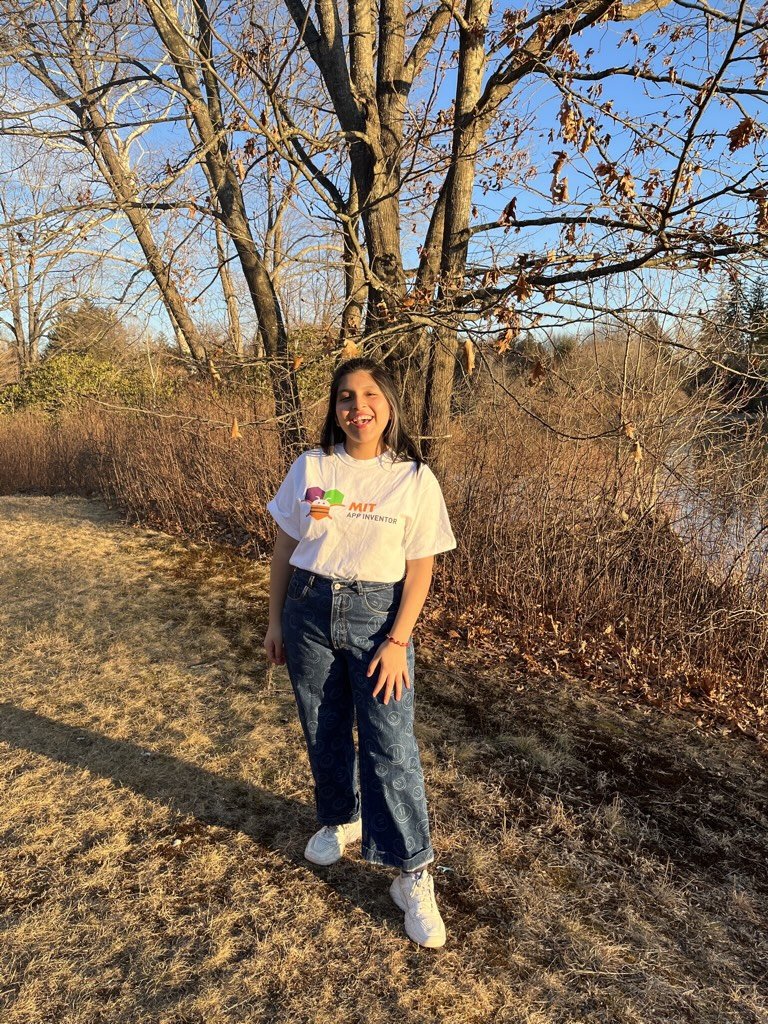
(116, 176)
(233, 311)
(355, 286)
(227, 287)
(207, 116)
(459, 184)
(98, 141)
(26, 335)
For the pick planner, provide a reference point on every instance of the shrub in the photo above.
(70, 378)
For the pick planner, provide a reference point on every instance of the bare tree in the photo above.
(651, 189)
(190, 52)
(46, 261)
(81, 71)
(225, 276)
(100, 71)
(487, 170)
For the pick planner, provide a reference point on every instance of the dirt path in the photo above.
(594, 863)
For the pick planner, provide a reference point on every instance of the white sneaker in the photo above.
(416, 896)
(327, 846)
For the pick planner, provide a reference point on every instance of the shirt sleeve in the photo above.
(428, 530)
(284, 507)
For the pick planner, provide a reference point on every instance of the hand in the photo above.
(393, 670)
(273, 645)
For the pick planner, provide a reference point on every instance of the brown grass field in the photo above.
(596, 861)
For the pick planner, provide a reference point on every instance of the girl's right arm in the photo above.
(279, 578)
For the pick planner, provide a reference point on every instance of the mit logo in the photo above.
(361, 506)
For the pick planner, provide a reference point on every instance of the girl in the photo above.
(359, 522)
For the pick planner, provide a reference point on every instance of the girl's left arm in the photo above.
(390, 659)
(418, 579)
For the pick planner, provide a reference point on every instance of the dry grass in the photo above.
(596, 864)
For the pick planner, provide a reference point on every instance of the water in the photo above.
(726, 525)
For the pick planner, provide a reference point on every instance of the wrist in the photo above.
(396, 642)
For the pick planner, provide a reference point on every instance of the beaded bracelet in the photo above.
(398, 642)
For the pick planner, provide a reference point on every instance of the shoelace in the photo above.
(424, 894)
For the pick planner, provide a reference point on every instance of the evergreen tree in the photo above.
(757, 319)
(735, 318)
(88, 329)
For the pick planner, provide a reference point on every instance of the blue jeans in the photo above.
(331, 629)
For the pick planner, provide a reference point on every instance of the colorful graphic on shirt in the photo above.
(321, 502)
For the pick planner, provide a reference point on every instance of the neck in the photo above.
(364, 450)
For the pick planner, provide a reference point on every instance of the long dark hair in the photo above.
(395, 436)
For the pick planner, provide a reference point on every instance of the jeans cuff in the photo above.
(391, 860)
(344, 821)
(418, 867)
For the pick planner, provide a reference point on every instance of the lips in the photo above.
(361, 422)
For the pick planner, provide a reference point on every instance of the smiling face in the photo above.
(362, 412)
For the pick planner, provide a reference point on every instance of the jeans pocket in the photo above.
(298, 588)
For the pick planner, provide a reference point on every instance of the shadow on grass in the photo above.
(277, 823)
(698, 804)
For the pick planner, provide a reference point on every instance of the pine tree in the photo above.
(88, 329)
(735, 319)
(757, 319)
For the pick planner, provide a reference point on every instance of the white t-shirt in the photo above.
(361, 518)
